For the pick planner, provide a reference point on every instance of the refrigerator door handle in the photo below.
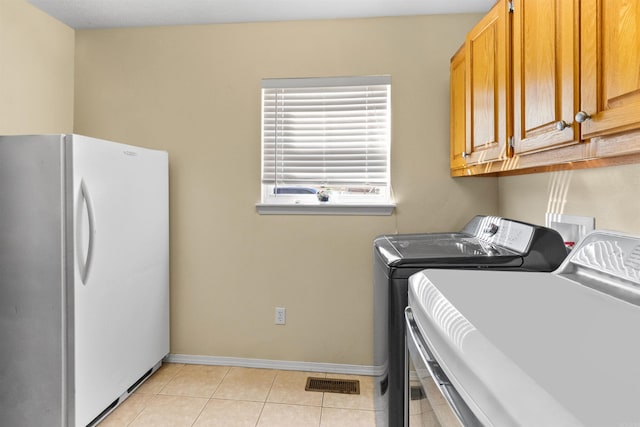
(85, 264)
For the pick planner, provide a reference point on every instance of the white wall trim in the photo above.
(285, 365)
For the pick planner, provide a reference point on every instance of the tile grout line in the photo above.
(170, 379)
(259, 415)
(273, 381)
(322, 404)
(264, 404)
(195, 420)
(155, 395)
(211, 396)
(220, 383)
(208, 400)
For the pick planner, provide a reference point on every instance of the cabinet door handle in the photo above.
(582, 117)
(562, 125)
(464, 154)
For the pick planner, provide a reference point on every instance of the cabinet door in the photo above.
(487, 87)
(458, 112)
(610, 66)
(545, 77)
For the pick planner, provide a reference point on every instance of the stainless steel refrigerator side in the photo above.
(32, 280)
(69, 263)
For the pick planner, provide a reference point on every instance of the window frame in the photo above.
(347, 202)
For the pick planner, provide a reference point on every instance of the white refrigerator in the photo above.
(84, 276)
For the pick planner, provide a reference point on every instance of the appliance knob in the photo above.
(492, 229)
(582, 117)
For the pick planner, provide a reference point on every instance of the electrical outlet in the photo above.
(281, 315)
(572, 228)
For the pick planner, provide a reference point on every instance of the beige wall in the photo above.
(195, 91)
(609, 194)
(36, 71)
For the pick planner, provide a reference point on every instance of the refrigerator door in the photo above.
(32, 276)
(121, 289)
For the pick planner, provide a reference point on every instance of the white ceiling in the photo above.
(81, 14)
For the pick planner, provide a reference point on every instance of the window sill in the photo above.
(325, 209)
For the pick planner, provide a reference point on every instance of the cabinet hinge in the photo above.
(510, 5)
(512, 142)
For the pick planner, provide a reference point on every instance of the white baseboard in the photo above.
(285, 365)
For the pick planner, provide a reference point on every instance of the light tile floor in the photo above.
(218, 396)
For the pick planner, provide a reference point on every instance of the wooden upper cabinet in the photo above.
(487, 87)
(545, 74)
(458, 105)
(610, 66)
(562, 77)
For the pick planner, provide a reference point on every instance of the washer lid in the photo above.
(532, 349)
(440, 247)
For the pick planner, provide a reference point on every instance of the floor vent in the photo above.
(331, 385)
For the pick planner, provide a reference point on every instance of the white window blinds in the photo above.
(326, 132)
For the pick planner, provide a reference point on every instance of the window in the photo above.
(326, 145)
